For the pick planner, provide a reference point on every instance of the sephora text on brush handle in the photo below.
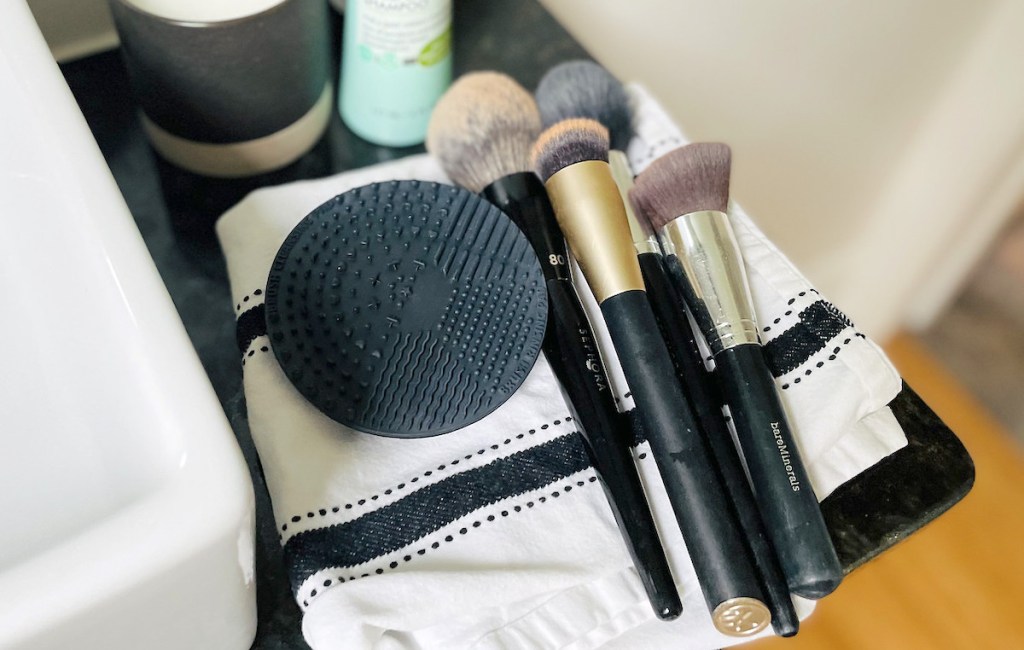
(608, 439)
(703, 254)
(590, 212)
(571, 349)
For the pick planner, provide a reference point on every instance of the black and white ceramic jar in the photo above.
(228, 88)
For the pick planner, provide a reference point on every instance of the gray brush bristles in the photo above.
(585, 89)
(482, 129)
(688, 179)
(569, 142)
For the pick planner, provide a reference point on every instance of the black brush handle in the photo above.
(783, 490)
(698, 385)
(712, 534)
(523, 198)
(571, 349)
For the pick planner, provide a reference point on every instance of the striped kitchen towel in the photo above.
(498, 535)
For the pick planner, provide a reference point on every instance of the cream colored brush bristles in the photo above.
(482, 129)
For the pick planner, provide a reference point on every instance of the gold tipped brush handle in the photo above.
(590, 213)
(644, 239)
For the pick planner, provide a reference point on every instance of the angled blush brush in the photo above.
(481, 131)
(586, 89)
(685, 193)
(572, 159)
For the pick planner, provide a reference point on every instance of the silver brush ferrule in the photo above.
(701, 247)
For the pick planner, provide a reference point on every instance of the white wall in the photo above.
(867, 137)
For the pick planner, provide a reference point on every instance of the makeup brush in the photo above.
(685, 193)
(586, 89)
(583, 88)
(481, 131)
(572, 159)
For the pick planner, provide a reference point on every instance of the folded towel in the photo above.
(497, 535)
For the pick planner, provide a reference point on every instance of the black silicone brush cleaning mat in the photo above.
(406, 308)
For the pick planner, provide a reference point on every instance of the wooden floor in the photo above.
(959, 582)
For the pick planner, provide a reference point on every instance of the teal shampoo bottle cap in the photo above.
(396, 63)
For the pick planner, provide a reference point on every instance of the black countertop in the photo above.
(175, 211)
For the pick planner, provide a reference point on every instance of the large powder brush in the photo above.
(483, 128)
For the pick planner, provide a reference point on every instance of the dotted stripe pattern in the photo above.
(831, 357)
(817, 324)
(820, 322)
(789, 311)
(324, 580)
(412, 482)
(400, 524)
(252, 352)
(253, 296)
(250, 326)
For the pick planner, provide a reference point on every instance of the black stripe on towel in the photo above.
(430, 508)
(819, 323)
(251, 324)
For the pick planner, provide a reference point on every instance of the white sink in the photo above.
(126, 509)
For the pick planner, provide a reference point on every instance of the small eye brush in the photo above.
(572, 159)
(481, 131)
(586, 89)
(685, 193)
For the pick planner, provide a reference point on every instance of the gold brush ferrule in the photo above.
(717, 290)
(741, 616)
(590, 213)
(644, 239)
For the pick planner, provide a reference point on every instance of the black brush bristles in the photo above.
(689, 179)
(569, 142)
(482, 129)
(585, 89)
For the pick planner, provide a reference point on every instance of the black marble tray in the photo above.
(175, 212)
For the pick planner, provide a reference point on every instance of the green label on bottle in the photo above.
(434, 51)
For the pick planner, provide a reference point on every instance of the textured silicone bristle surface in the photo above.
(406, 308)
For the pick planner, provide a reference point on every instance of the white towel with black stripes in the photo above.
(496, 535)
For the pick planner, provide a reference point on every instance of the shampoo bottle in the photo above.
(396, 63)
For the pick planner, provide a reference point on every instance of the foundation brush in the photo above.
(586, 89)
(685, 193)
(571, 157)
(481, 131)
